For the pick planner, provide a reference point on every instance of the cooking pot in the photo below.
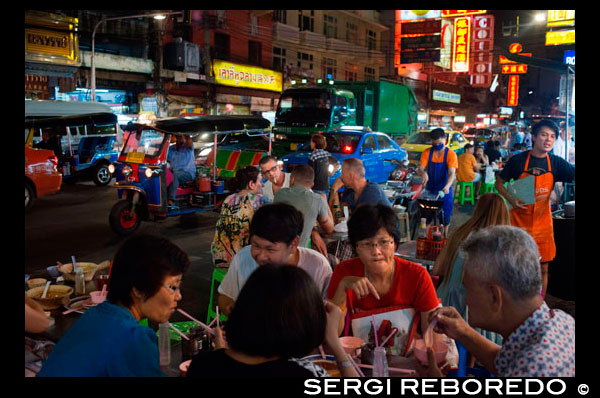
(569, 208)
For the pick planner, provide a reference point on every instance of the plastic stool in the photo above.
(487, 188)
(460, 192)
(217, 276)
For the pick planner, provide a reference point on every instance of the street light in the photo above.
(157, 16)
(540, 17)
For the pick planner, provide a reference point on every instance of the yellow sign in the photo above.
(135, 157)
(560, 37)
(49, 42)
(561, 18)
(236, 75)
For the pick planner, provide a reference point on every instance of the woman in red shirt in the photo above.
(377, 278)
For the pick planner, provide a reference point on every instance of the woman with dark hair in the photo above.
(108, 341)
(377, 278)
(278, 318)
(231, 233)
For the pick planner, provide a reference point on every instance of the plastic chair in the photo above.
(217, 276)
(487, 188)
(460, 192)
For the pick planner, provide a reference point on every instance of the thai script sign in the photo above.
(446, 96)
(560, 18)
(461, 48)
(230, 74)
(560, 37)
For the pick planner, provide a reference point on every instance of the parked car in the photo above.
(417, 143)
(376, 150)
(41, 176)
(479, 136)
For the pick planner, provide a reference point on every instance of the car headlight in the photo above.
(127, 170)
(111, 168)
(334, 166)
(148, 172)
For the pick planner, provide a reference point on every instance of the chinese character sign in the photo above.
(513, 90)
(514, 68)
(461, 48)
(458, 13)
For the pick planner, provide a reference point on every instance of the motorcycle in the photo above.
(407, 186)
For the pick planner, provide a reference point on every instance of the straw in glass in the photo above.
(209, 330)
(394, 331)
(322, 352)
(178, 331)
(74, 263)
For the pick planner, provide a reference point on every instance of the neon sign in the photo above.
(462, 44)
(513, 90)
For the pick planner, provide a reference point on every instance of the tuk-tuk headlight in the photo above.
(127, 170)
(148, 172)
(111, 168)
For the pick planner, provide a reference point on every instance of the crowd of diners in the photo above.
(284, 299)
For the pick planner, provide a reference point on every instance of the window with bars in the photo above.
(305, 60)
(369, 73)
(280, 16)
(351, 33)
(306, 20)
(329, 67)
(254, 25)
(278, 58)
(371, 40)
(330, 26)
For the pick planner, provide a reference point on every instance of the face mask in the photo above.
(437, 147)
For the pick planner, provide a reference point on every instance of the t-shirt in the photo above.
(243, 264)
(372, 194)
(412, 286)
(268, 187)
(466, 167)
(319, 161)
(310, 204)
(219, 364)
(492, 154)
(542, 346)
(451, 159)
(106, 341)
(561, 169)
(182, 159)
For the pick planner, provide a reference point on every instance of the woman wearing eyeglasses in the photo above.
(377, 278)
(108, 340)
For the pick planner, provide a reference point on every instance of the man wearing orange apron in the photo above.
(547, 169)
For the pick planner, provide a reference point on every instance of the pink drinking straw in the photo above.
(218, 317)
(322, 352)
(375, 330)
(209, 330)
(103, 290)
(394, 331)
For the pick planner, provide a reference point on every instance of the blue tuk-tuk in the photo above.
(142, 174)
(86, 145)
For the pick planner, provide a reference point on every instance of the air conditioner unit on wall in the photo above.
(182, 56)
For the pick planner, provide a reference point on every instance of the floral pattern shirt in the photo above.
(232, 229)
(543, 346)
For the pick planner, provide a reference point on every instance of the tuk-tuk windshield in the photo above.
(146, 141)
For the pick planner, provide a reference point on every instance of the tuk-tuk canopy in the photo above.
(60, 123)
(190, 125)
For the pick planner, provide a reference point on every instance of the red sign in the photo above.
(515, 48)
(483, 42)
(514, 68)
(457, 13)
(421, 28)
(504, 60)
(462, 45)
(513, 90)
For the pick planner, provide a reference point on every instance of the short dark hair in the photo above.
(367, 220)
(279, 312)
(545, 123)
(303, 174)
(143, 262)
(244, 176)
(277, 222)
(437, 133)
(468, 146)
(266, 159)
(319, 140)
(497, 143)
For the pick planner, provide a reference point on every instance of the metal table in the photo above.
(407, 251)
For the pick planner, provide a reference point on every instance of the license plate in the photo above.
(135, 157)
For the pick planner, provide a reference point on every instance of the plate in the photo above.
(80, 304)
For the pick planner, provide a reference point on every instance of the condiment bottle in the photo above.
(164, 344)
(422, 231)
(380, 364)
(79, 281)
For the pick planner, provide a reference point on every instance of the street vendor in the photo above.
(547, 169)
(437, 170)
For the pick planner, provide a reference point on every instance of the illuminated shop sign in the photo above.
(461, 48)
(230, 74)
(514, 68)
(569, 57)
(460, 13)
(53, 44)
(560, 18)
(503, 60)
(410, 15)
(446, 97)
(560, 37)
(459, 119)
(513, 90)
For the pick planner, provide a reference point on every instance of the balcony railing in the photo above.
(285, 32)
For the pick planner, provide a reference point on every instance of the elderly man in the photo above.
(358, 190)
(502, 279)
(275, 232)
(276, 178)
(181, 158)
(312, 205)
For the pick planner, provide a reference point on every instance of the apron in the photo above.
(536, 218)
(438, 177)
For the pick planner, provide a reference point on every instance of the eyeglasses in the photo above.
(173, 289)
(271, 170)
(382, 243)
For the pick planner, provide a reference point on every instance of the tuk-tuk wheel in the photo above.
(29, 196)
(121, 220)
(101, 175)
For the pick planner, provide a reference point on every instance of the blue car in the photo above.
(376, 150)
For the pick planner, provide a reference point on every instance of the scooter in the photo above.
(407, 185)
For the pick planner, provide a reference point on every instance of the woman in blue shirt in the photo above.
(108, 341)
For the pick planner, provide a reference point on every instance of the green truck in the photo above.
(386, 106)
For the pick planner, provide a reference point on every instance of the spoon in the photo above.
(429, 333)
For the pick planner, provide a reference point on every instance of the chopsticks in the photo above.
(209, 330)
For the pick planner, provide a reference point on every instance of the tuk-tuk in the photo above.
(142, 175)
(84, 144)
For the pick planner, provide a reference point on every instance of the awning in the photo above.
(35, 68)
